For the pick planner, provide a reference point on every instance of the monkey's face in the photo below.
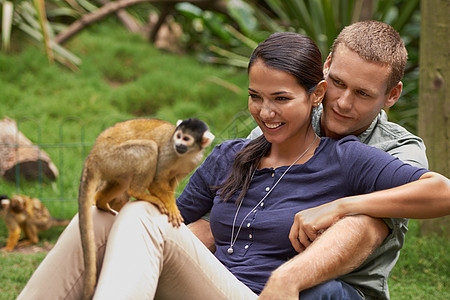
(183, 142)
(191, 136)
(17, 203)
(4, 204)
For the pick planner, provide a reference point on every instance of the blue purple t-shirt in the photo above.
(337, 169)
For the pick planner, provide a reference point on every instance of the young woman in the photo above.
(253, 189)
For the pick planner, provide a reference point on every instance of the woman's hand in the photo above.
(310, 223)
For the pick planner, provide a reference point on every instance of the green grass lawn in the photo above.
(123, 77)
(422, 272)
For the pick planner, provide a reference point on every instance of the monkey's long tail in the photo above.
(85, 197)
(60, 222)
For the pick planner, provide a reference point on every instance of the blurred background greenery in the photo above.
(220, 31)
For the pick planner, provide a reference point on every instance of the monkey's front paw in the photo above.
(175, 218)
(162, 208)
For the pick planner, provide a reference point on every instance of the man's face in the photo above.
(356, 93)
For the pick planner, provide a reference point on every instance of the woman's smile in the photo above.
(273, 125)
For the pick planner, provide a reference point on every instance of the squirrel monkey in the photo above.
(140, 158)
(23, 213)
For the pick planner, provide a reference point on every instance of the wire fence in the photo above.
(67, 147)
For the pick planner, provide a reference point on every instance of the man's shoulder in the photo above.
(396, 140)
(387, 132)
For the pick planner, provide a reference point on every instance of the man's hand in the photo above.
(203, 232)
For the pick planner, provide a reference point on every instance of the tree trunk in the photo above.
(166, 10)
(19, 155)
(367, 10)
(434, 95)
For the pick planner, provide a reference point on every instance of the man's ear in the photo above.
(319, 93)
(394, 95)
(326, 65)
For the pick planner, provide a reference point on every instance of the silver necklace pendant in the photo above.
(234, 238)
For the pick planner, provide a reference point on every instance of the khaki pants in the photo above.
(141, 256)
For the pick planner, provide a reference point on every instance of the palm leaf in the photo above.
(43, 23)
(7, 17)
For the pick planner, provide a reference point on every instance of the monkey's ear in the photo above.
(207, 139)
(179, 122)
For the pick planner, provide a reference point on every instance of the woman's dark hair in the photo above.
(290, 52)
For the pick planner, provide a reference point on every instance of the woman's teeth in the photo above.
(273, 125)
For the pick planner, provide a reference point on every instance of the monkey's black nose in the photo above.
(181, 149)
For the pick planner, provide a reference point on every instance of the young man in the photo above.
(363, 72)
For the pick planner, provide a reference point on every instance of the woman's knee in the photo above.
(140, 208)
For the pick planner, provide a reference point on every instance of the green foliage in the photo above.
(322, 20)
(423, 269)
(405, 111)
(64, 111)
(16, 269)
(31, 18)
(201, 28)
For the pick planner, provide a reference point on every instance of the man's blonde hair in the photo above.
(376, 42)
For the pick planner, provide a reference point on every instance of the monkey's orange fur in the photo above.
(138, 158)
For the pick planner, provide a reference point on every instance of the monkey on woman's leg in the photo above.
(144, 158)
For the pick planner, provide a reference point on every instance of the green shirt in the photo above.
(370, 278)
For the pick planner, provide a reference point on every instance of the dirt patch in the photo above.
(34, 249)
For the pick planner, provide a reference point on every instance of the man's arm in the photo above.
(339, 250)
(350, 241)
(428, 197)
